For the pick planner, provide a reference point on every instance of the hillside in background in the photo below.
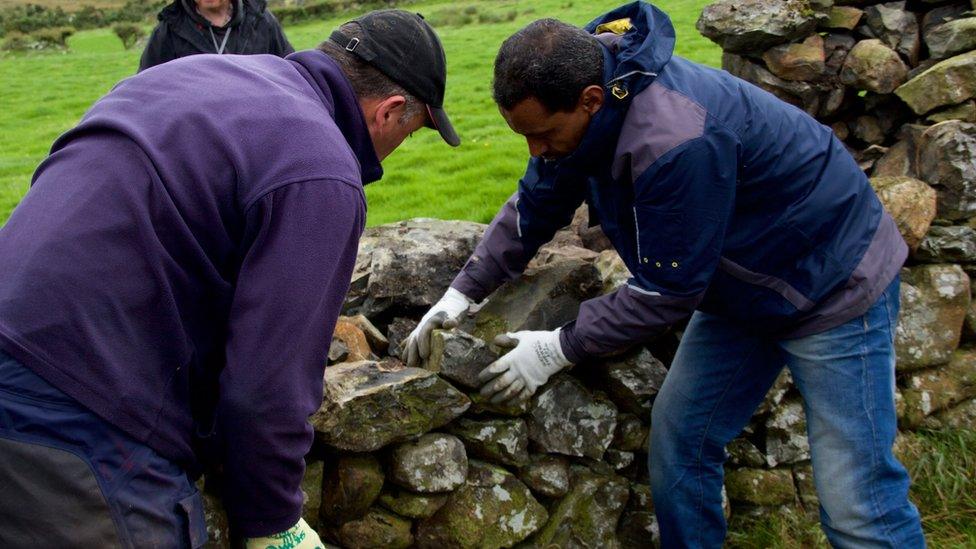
(45, 94)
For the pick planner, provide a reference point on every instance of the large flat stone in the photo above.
(745, 26)
(567, 419)
(587, 516)
(949, 82)
(368, 405)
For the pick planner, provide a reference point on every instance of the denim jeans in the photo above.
(70, 479)
(846, 376)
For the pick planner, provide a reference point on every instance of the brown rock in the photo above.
(377, 341)
(910, 202)
(899, 161)
(353, 339)
(843, 17)
(803, 61)
(873, 66)
(763, 487)
(836, 48)
(799, 94)
(867, 129)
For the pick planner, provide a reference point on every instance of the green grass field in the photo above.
(45, 94)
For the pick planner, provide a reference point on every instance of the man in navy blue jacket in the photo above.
(170, 283)
(729, 207)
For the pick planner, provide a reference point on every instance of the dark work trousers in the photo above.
(70, 479)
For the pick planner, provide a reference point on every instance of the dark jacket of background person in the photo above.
(181, 275)
(182, 31)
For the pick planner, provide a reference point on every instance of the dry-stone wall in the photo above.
(414, 457)
(896, 81)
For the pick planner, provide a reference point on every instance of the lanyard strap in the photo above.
(223, 44)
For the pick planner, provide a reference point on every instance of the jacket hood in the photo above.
(641, 46)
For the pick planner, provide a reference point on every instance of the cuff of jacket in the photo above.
(470, 287)
(250, 528)
(572, 347)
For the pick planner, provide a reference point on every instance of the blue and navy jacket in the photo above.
(717, 195)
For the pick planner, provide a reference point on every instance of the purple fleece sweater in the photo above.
(182, 255)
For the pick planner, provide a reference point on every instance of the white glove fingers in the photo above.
(507, 393)
(500, 383)
(508, 340)
(491, 371)
(423, 339)
(523, 396)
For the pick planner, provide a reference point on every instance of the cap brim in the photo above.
(442, 124)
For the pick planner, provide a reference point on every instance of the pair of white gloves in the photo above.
(513, 378)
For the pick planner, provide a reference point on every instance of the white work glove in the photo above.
(299, 536)
(444, 314)
(514, 377)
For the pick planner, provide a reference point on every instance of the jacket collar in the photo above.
(336, 93)
(189, 8)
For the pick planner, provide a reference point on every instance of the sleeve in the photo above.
(289, 292)
(280, 45)
(158, 48)
(545, 202)
(682, 206)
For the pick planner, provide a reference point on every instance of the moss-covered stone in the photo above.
(567, 419)
(368, 405)
(638, 527)
(312, 484)
(873, 66)
(951, 38)
(744, 26)
(546, 475)
(949, 82)
(436, 462)
(350, 486)
(763, 487)
(965, 112)
(843, 17)
(588, 515)
(378, 528)
(630, 434)
(934, 303)
(492, 509)
(459, 357)
(497, 440)
(409, 504)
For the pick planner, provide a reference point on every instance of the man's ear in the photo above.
(390, 110)
(591, 99)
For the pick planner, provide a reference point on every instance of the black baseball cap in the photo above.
(405, 48)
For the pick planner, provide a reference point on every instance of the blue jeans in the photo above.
(846, 375)
(70, 479)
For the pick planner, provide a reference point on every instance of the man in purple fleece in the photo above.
(169, 285)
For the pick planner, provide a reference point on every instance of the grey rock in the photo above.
(567, 419)
(546, 475)
(947, 161)
(588, 515)
(743, 453)
(338, 351)
(873, 66)
(492, 509)
(939, 389)
(350, 486)
(836, 48)
(962, 416)
(745, 26)
(409, 264)
(541, 299)
(638, 527)
(377, 528)
(842, 17)
(956, 244)
(368, 405)
(434, 463)
(964, 111)
(948, 82)
(411, 505)
(806, 490)
(214, 515)
(799, 94)
(899, 161)
(619, 460)
(896, 27)
(634, 380)
(951, 38)
(934, 302)
(459, 357)
(781, 387)
(397, 333)
(630, 434)
(786, 435)
(503, 441)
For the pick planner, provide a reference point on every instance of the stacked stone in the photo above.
(409, 457)
(896, 81)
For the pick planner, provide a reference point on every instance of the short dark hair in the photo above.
(549, 60)
(367, 81)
